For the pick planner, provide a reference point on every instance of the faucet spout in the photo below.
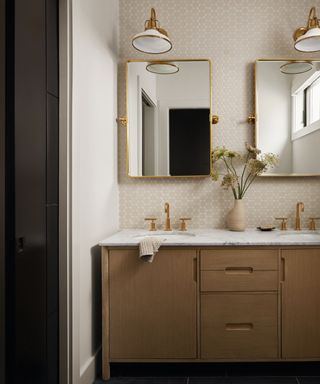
(167, 222)
(299, 209)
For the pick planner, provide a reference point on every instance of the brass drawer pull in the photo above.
(239, 327)
(238, 270)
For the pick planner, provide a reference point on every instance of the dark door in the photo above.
(189, 141)
(2, 191)
(32, 276)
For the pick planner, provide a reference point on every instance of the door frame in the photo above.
(2, 187)
(65, 268)
(66, 331)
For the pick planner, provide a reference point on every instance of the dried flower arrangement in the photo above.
(253, 163)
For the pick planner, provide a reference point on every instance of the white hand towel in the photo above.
(148, 247)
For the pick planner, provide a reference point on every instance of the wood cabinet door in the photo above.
(301, 303)
(153, 306)
(240, 325)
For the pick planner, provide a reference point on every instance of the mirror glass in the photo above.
(288, 114)
(168, 118)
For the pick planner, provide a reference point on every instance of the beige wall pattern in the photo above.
(233, 34)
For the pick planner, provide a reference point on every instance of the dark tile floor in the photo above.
(218, 373)
(309, 380)
(214, 380)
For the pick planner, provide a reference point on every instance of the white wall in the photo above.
(302, 78)
(306, 154)
(94, 168)
(305, 149)
(189, 84)
(274, 123)
(138, 78)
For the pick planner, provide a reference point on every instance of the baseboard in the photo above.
(91, 369)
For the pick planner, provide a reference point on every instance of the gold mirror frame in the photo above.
(213, 119)
(256, 118)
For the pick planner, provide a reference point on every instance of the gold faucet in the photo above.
(167, 223)
(299, 209)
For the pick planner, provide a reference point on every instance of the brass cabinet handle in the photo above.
(283, 269)
(239, 326)
(195, 269)
(238, 270)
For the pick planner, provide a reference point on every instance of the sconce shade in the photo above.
(154, 39)
(151, 41)
(307, 39)
(296, 67)
(162, 68)
(309, 42)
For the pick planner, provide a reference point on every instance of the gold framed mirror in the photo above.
(169, 118)
(287, 114)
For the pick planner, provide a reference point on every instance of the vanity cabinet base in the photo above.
(211, 305)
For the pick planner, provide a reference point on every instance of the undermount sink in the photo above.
(164, 233)
(303, 235)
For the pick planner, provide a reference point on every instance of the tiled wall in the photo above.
(233, 34)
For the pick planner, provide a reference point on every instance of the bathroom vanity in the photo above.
(211, 295)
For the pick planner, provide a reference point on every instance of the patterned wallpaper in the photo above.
(233, 34)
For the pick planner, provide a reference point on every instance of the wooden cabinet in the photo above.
(229, 309)
(239, 304)
(153, 306)
(300, 303)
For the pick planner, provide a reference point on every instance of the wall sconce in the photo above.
(154, 39)
(296, 67)
(307, 39)
(162, 68)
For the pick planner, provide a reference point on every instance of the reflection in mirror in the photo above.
(288, 115)
(169, 129)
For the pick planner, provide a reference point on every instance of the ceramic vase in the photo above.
(236, 218)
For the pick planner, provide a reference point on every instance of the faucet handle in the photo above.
(312, 224)
(183, 224)
(283, 225)
(152, 223)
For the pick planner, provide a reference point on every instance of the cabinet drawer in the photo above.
(239, 280)
(239, 326)
(246, 259)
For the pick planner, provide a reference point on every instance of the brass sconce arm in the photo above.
(152, 23)
(313, 22)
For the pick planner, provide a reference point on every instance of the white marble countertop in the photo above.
(215, 237)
